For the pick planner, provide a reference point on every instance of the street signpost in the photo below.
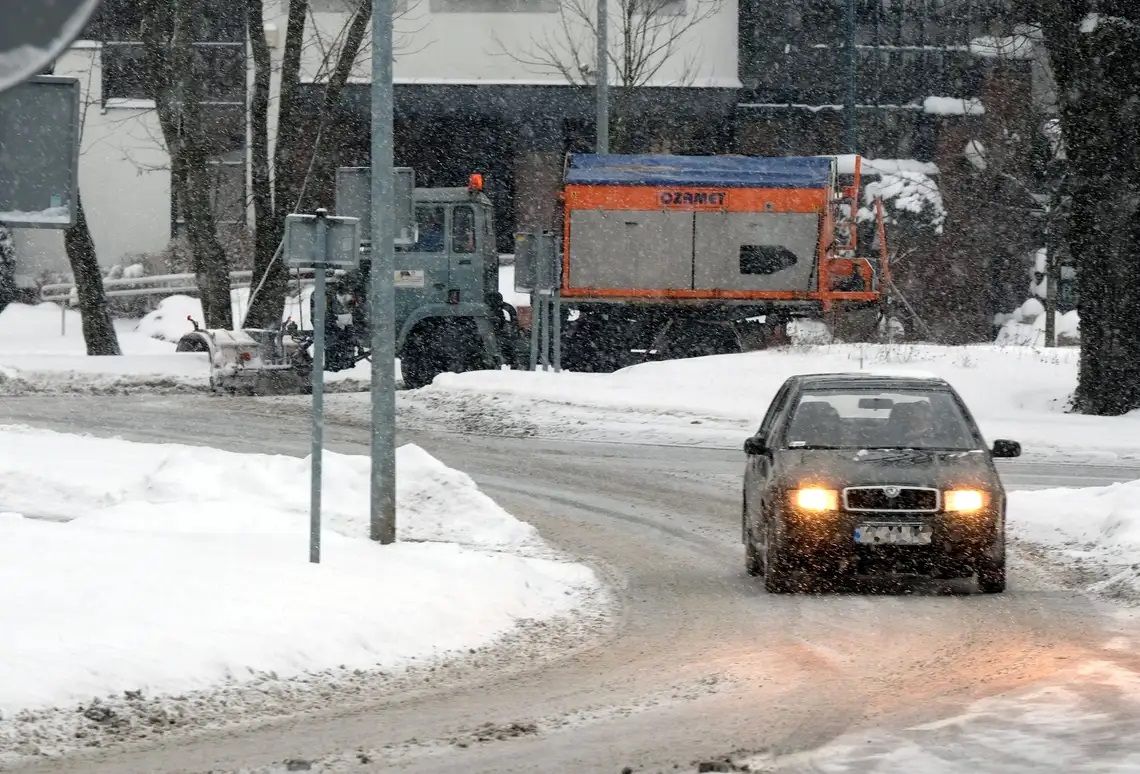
(39, 153)
(34, 32)
(354, 199)
(320, 242)
(538, 270)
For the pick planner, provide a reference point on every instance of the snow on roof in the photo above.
(60, 215)
(953, 106)
(1003, 47)
(726, 171)
(846, 166)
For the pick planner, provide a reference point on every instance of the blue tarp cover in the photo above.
(699, 171)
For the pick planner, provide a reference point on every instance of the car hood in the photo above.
(838, 468)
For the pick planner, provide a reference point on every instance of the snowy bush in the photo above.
(907, 196)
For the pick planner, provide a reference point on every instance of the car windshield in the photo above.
(876, 419)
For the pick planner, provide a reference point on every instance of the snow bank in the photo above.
(1015, 392)
(1100, 525)
(1076, 720)
(35, 356)
(167, 568)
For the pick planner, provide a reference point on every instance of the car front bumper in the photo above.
(953, 538)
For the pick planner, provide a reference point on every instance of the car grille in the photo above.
(890, 498)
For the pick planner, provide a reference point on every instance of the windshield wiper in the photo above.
(812, 446)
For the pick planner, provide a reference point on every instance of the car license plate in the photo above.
(893, 534)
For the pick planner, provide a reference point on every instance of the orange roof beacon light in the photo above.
(475, 183)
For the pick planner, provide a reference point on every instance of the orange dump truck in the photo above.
(675, 256)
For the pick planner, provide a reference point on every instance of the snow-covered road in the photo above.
(702, 665)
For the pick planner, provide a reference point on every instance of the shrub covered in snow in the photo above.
(907, 195)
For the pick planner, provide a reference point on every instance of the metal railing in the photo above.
(65, 294)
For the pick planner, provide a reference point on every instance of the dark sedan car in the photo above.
(860, 473)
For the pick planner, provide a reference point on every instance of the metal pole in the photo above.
(318, 391)
(557, 321)
(544, 332)
(535, 316)
(1052, 277)
(850, 126)
(62, 318)
(603, 81)
(382, 505)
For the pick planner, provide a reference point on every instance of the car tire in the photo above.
(991, 577)
(777, 578)
(753, 562)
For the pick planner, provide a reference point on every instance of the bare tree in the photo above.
(175, 83)
(647, 37)
(1094, 51)
(301, 140)
(98, 329)
(99, 334)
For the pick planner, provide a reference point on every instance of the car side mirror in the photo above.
(1007, 449)
(755, 445)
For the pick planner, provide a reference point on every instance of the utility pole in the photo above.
(603, 81)
(850, 125)
(382, 502)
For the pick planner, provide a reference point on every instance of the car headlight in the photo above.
(964, 500)
(815, 499)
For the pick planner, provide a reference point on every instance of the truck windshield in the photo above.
(873, 419)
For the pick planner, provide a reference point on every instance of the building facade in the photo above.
(482, 85)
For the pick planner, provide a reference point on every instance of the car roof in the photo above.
(867, 380)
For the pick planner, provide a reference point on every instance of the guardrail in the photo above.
(64, 293)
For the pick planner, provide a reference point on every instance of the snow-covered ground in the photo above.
(42, 348)
(1061, 725)
(1014, 392)
(37, 352)
(161, 568)
(1095, 532)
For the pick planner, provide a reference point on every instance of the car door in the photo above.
(463, 264)
(421, 269)
(758, 472)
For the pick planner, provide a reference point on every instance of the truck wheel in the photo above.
(991, 576)
(419, 363)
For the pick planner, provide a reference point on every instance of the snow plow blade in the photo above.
(253, 361)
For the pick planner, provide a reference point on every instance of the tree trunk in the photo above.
(270, 275)
(98, 329)
(1098, 89)
(300, 145)
(265, 235)
(175, 86)
(7, 268)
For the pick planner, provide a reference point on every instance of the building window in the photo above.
(493, 6)
(124, 71)
(658, 7)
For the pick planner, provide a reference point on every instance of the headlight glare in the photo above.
(965, 500)
(816, 499)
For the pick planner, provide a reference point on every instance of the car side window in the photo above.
(774, 409)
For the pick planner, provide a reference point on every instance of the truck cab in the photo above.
(450, 315)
